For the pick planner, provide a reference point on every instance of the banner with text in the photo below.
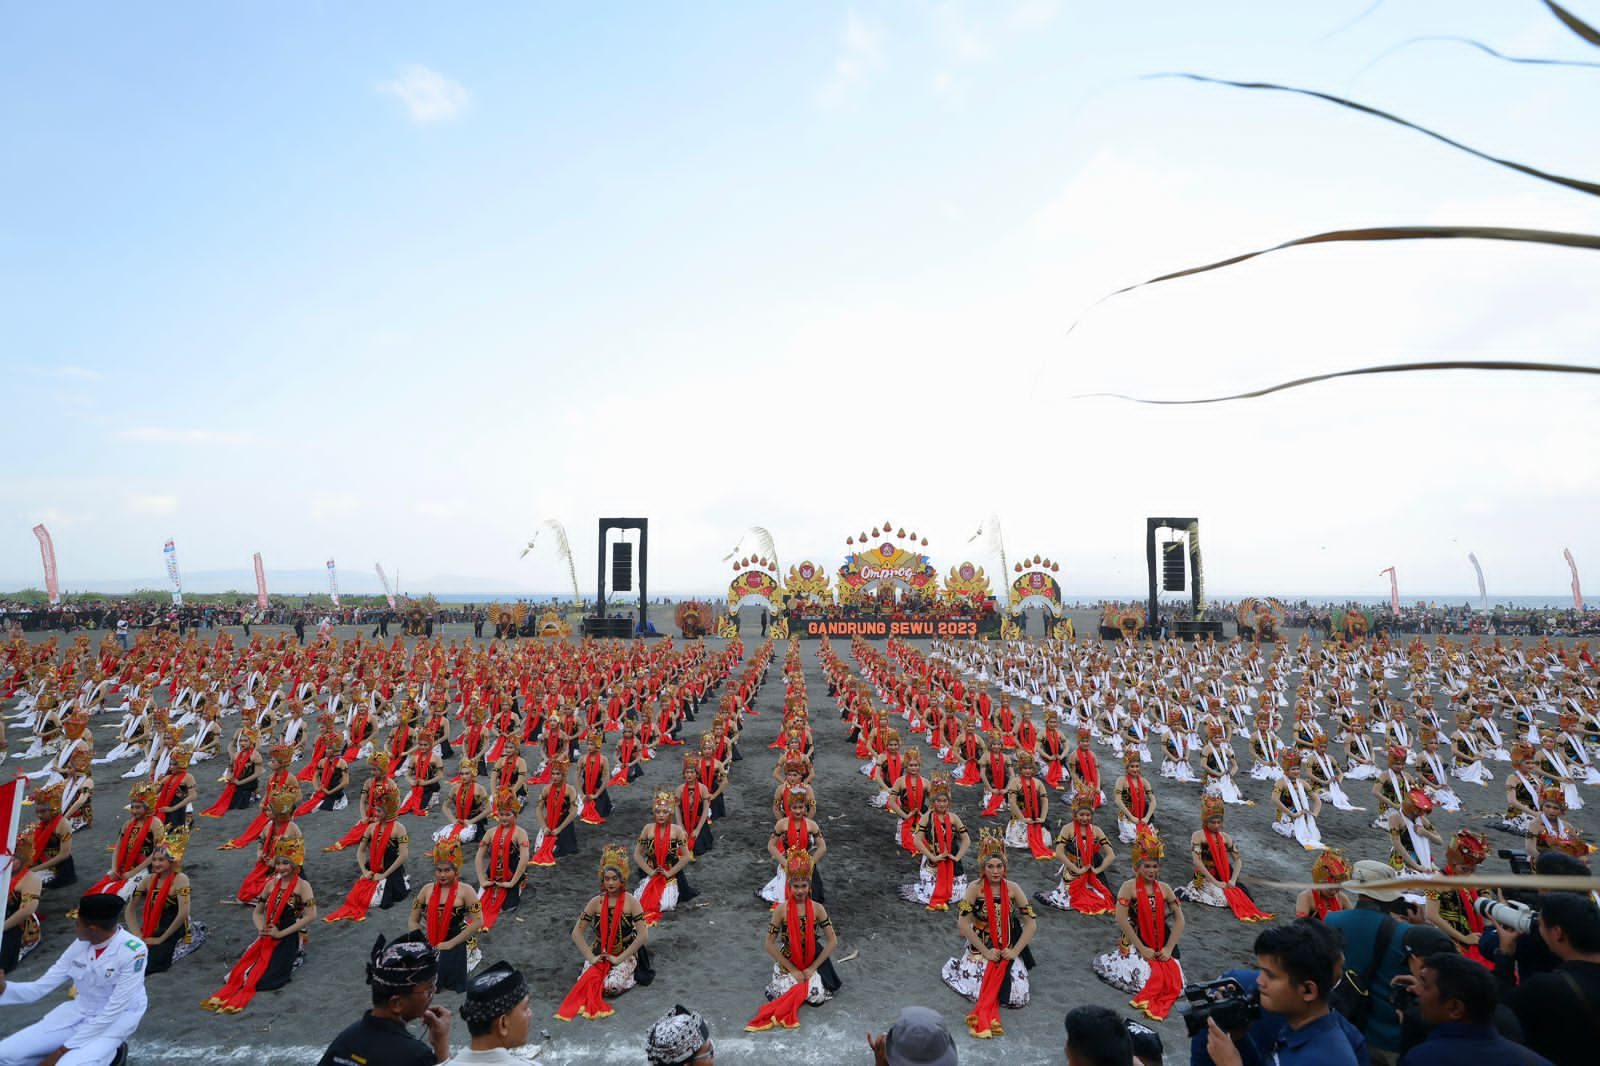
(171, 552)
(333, 583)
(261, 584)
(388, 593)
(879, 628)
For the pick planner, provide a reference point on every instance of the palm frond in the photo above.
(1574, 23)
(1480, 46)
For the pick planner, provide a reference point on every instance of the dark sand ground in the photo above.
(709, 956)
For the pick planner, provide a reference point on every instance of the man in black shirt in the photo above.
(1560, 1011)
(403, 975)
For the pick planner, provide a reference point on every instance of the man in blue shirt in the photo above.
(1299, 964)
(1457, 998)
(1362, 927)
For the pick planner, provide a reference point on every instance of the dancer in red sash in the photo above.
(1453, 909)
(1053, 750)
(1136, 800)
(277, 777)
(1029, 800)
(995, 774)
(282, 913)
(800, 939)
(797, 830)
(23, 886)
(793, 767)
(1084, 851)
(694, 807)
(175, 804)
(943, 841)
(468, 806)
(610, 934)
(1144, 963)
(1330, 868)
(449, 914)
(593, 775)
(280, 826)
(380, 860)
(380, 763)
(138, 841)
(908, 801)
(1217, 866)
(158, 911)
(558, 808)
(502, 860)
(997, 921)
(661, 852)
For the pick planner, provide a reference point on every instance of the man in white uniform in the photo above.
(106, 967)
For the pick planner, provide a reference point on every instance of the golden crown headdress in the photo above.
(176, 843)
(283, 800)
(939, 786)
(1084, 800)
(291, 848)
(664, 800)
(506, 799)
(614, 857)
(1147, 846)
(447, 852)
(991, 845)
(144, 792)
(386, 798)
(797, 864)
(1210, 806)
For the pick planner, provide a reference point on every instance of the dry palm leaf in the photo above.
(1480, 46)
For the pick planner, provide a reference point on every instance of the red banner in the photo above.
(47, 551)
(10, 818)
(261, 584)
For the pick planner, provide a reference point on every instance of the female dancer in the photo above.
(997, 921)
(159, 908)
(611, 935)
(1145, 961)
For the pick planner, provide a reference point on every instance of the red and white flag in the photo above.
(261, 584)
(1572, 564)
(11, 794)
(47, 551)
(387, 591)
(333, 583)
(1394, 590)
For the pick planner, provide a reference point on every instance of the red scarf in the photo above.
(1136, 797)
(169, 789)
(240, 987)
(942, 833)
(691, 806)
(588, 992)
(494, 897)
(1089, 769)
(661, 852)
(1165, 984)
(984, 1021)
(1243, 907)
(155, 902)
(131, 846)
(440, 911)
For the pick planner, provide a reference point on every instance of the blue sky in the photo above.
(397, 282)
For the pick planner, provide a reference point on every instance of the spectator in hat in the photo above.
(1097, 1037)
(917, 1038)
(106, 965)
(1456, 997)
(404, 975)
(498, 1015)
(1371, 932)
(680, 1037)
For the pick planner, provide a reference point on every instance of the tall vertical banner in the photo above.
(1483, 590)
(1394, 590)
(10, 819)
(1577, 589)
(171, 552)
(261, 584)
(388, 592)
(47, 552)
(333, 583)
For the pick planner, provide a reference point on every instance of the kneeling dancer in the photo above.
(997, 922)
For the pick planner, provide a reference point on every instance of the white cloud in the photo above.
(150, 503)
(859, 60)
(78, 373)
(163, 435)
(428, 96)
(334, 505)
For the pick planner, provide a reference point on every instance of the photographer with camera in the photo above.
(1373, 958)
(1422, 943)
(1299, 964)
(1516, 957)
(1560, 1011)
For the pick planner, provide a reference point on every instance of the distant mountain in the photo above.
(355, 581)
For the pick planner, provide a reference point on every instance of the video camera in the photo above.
(1521, 865)
(1224, 1000)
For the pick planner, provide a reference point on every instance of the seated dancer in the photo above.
(995, 774)
(158, 911)
(617, 958)
(798, 830)
(468, 805)
(1324, 775)
(1297, 805)
(1431, 772)
(280, 826)
(1218, 766)
(997, 921)
(887, 767)
(77, 790)
(448, 913)
(1029, 800)
(1556, 767)
(1145, 962)
(175, 802)
(425, 772)
(1135, 799)
(244, 775)
(631, 753)
(1412, 835)
(942, 839)
(330, 777)
(1266, 748)
(694, 807)
(593, 773)
(1053, 750)
(367, 802)
(908, 801)
(1466, 752)
(139, 839)
(1176, 749)
(22, 929)
(501, 862)
(1453, 909)
(1392, 785)
(662, 851)
(557, 811)
(52, 841)
(284, 910)
(380, 860)
(1522, 790)
(800, 939)
(1217, 866)
(1084, 852)
(793, 768)
(1360, 762)
(1550, 831)
(713, 776)
(278, 779)
(1330, 868)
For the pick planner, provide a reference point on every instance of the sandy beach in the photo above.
(710, 955)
